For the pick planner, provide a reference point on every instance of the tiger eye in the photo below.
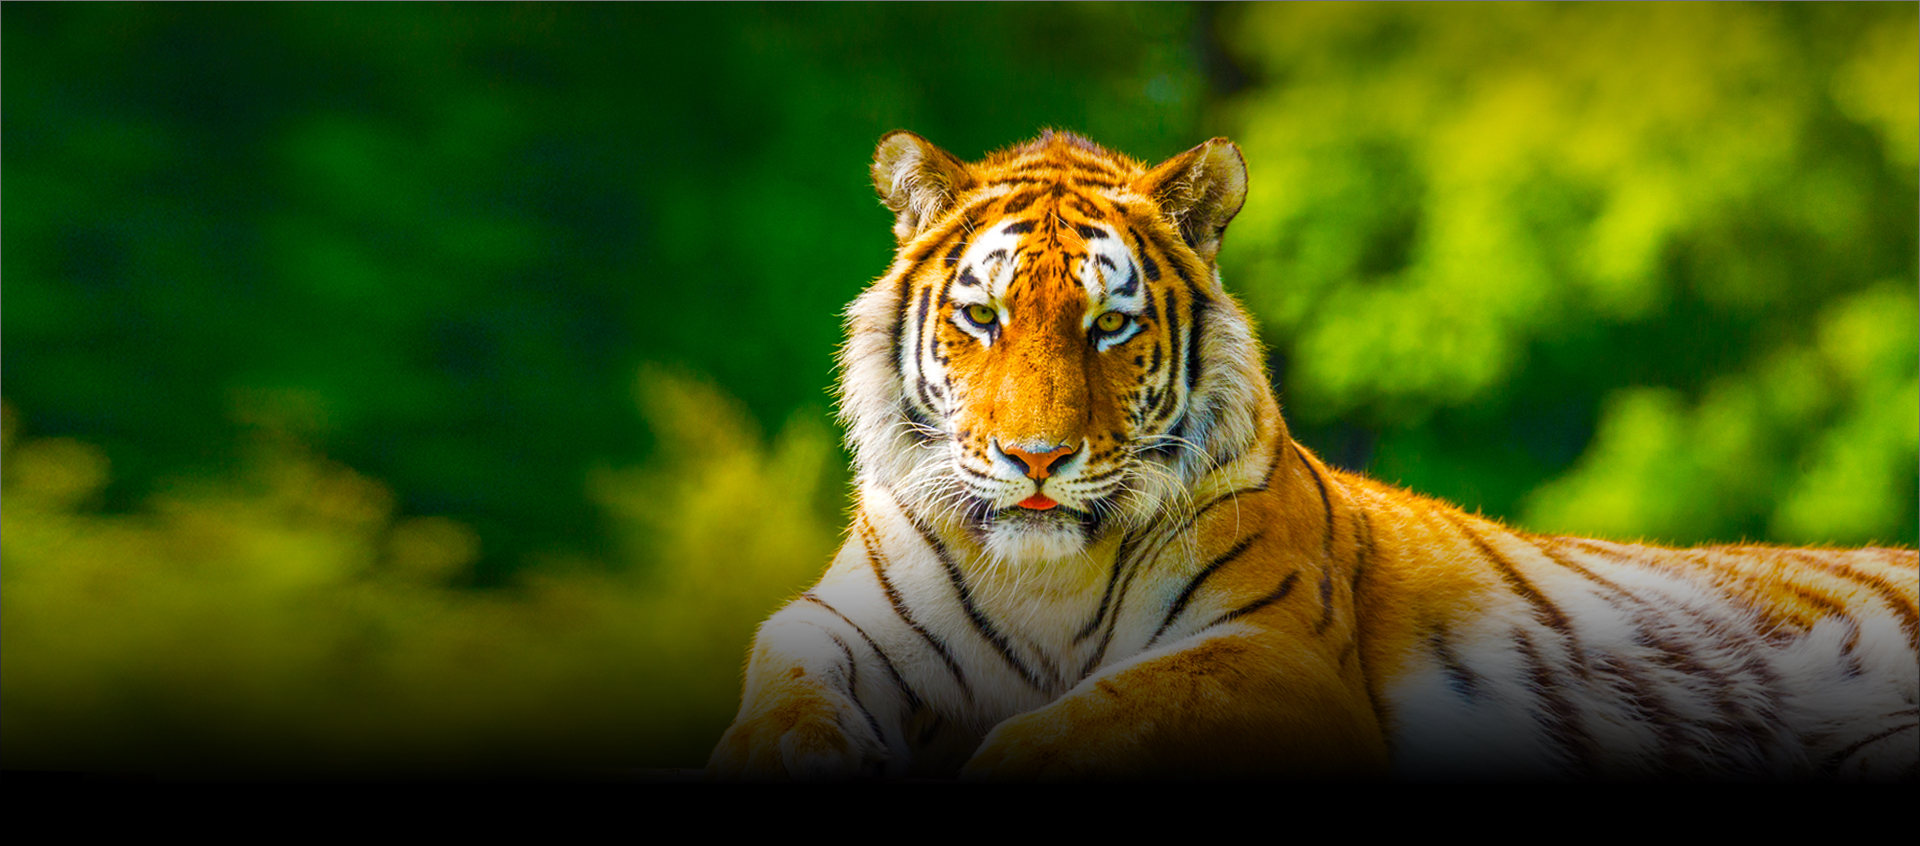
(1113, 453)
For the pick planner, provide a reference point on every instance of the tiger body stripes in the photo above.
(1085, 546)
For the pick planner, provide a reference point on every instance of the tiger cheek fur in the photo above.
(1037, 386)
(1085, 547)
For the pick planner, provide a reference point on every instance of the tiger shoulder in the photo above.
(1085, 547)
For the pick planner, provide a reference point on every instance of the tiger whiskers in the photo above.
(1166, 478)
(1171, 499)
(1148, 442)
(929, 435)
(1204, 459)
(932, 483)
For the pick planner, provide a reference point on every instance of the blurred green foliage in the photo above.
(325, 445)
(1619, 269)
(438, 240)
(289, 620)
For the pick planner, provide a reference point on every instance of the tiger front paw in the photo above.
(798, 735)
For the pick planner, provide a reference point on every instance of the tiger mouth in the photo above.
(1038, 502)
(1088, 517)
(1041, 511)
(1054, 514)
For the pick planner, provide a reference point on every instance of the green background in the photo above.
(448, 386)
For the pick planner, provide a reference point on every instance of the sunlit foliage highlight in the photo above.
(1473, 224)
(286, 619)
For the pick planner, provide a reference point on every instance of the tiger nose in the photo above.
(1039, 465)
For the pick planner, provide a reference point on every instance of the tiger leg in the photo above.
(1233, 703)
(802, 716)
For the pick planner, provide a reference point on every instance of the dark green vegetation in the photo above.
(439, 241)
(1632, 271)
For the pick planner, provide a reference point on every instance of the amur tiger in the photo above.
(1086, 547)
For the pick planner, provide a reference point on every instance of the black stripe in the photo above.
(1326, 601)
(1273, 463)
(1195, 314)
(1463, 680)
(1326, 561)
(1279, 593)
(920, 326)
(1163, 540)
(900, 324)
(1326, 501)
(924, 391)
(1019, 202)
(1193, 584)
(1140, 249)
(976, 475)
(1909, 615)
(1045, 166)
(1554, 713)
(1544, 610)
(1362, 553)
(1126, 584)
(980, 622)
(1106, 596)
(1163, 406)
(1648, 616)
(1128, 275)
(1747, 723)
(877, 561)
(1839, 759)
(922, 424)
(922, 388)
(1362, 557)
(1078, 204)
(1677, 655)
(853, 683)
(1648, 707)
(913, 700)
(912, 266)
(1578, 569)
(1200, 298)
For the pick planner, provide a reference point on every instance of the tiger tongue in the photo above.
(1037, 502)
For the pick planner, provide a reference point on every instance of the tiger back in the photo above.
(1085, 546)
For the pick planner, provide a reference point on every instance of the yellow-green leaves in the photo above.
(1693, 224)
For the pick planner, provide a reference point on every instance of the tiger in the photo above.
(1084, 546)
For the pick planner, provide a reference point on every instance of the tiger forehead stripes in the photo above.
(1085, 546)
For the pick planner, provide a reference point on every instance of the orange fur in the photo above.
(1209, 599)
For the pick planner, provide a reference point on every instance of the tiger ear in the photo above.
(917, 180)
(1199, 191)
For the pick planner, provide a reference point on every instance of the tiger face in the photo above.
(1051, 362)
(1038, 346)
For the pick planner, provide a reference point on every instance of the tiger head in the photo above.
(1051, 356)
